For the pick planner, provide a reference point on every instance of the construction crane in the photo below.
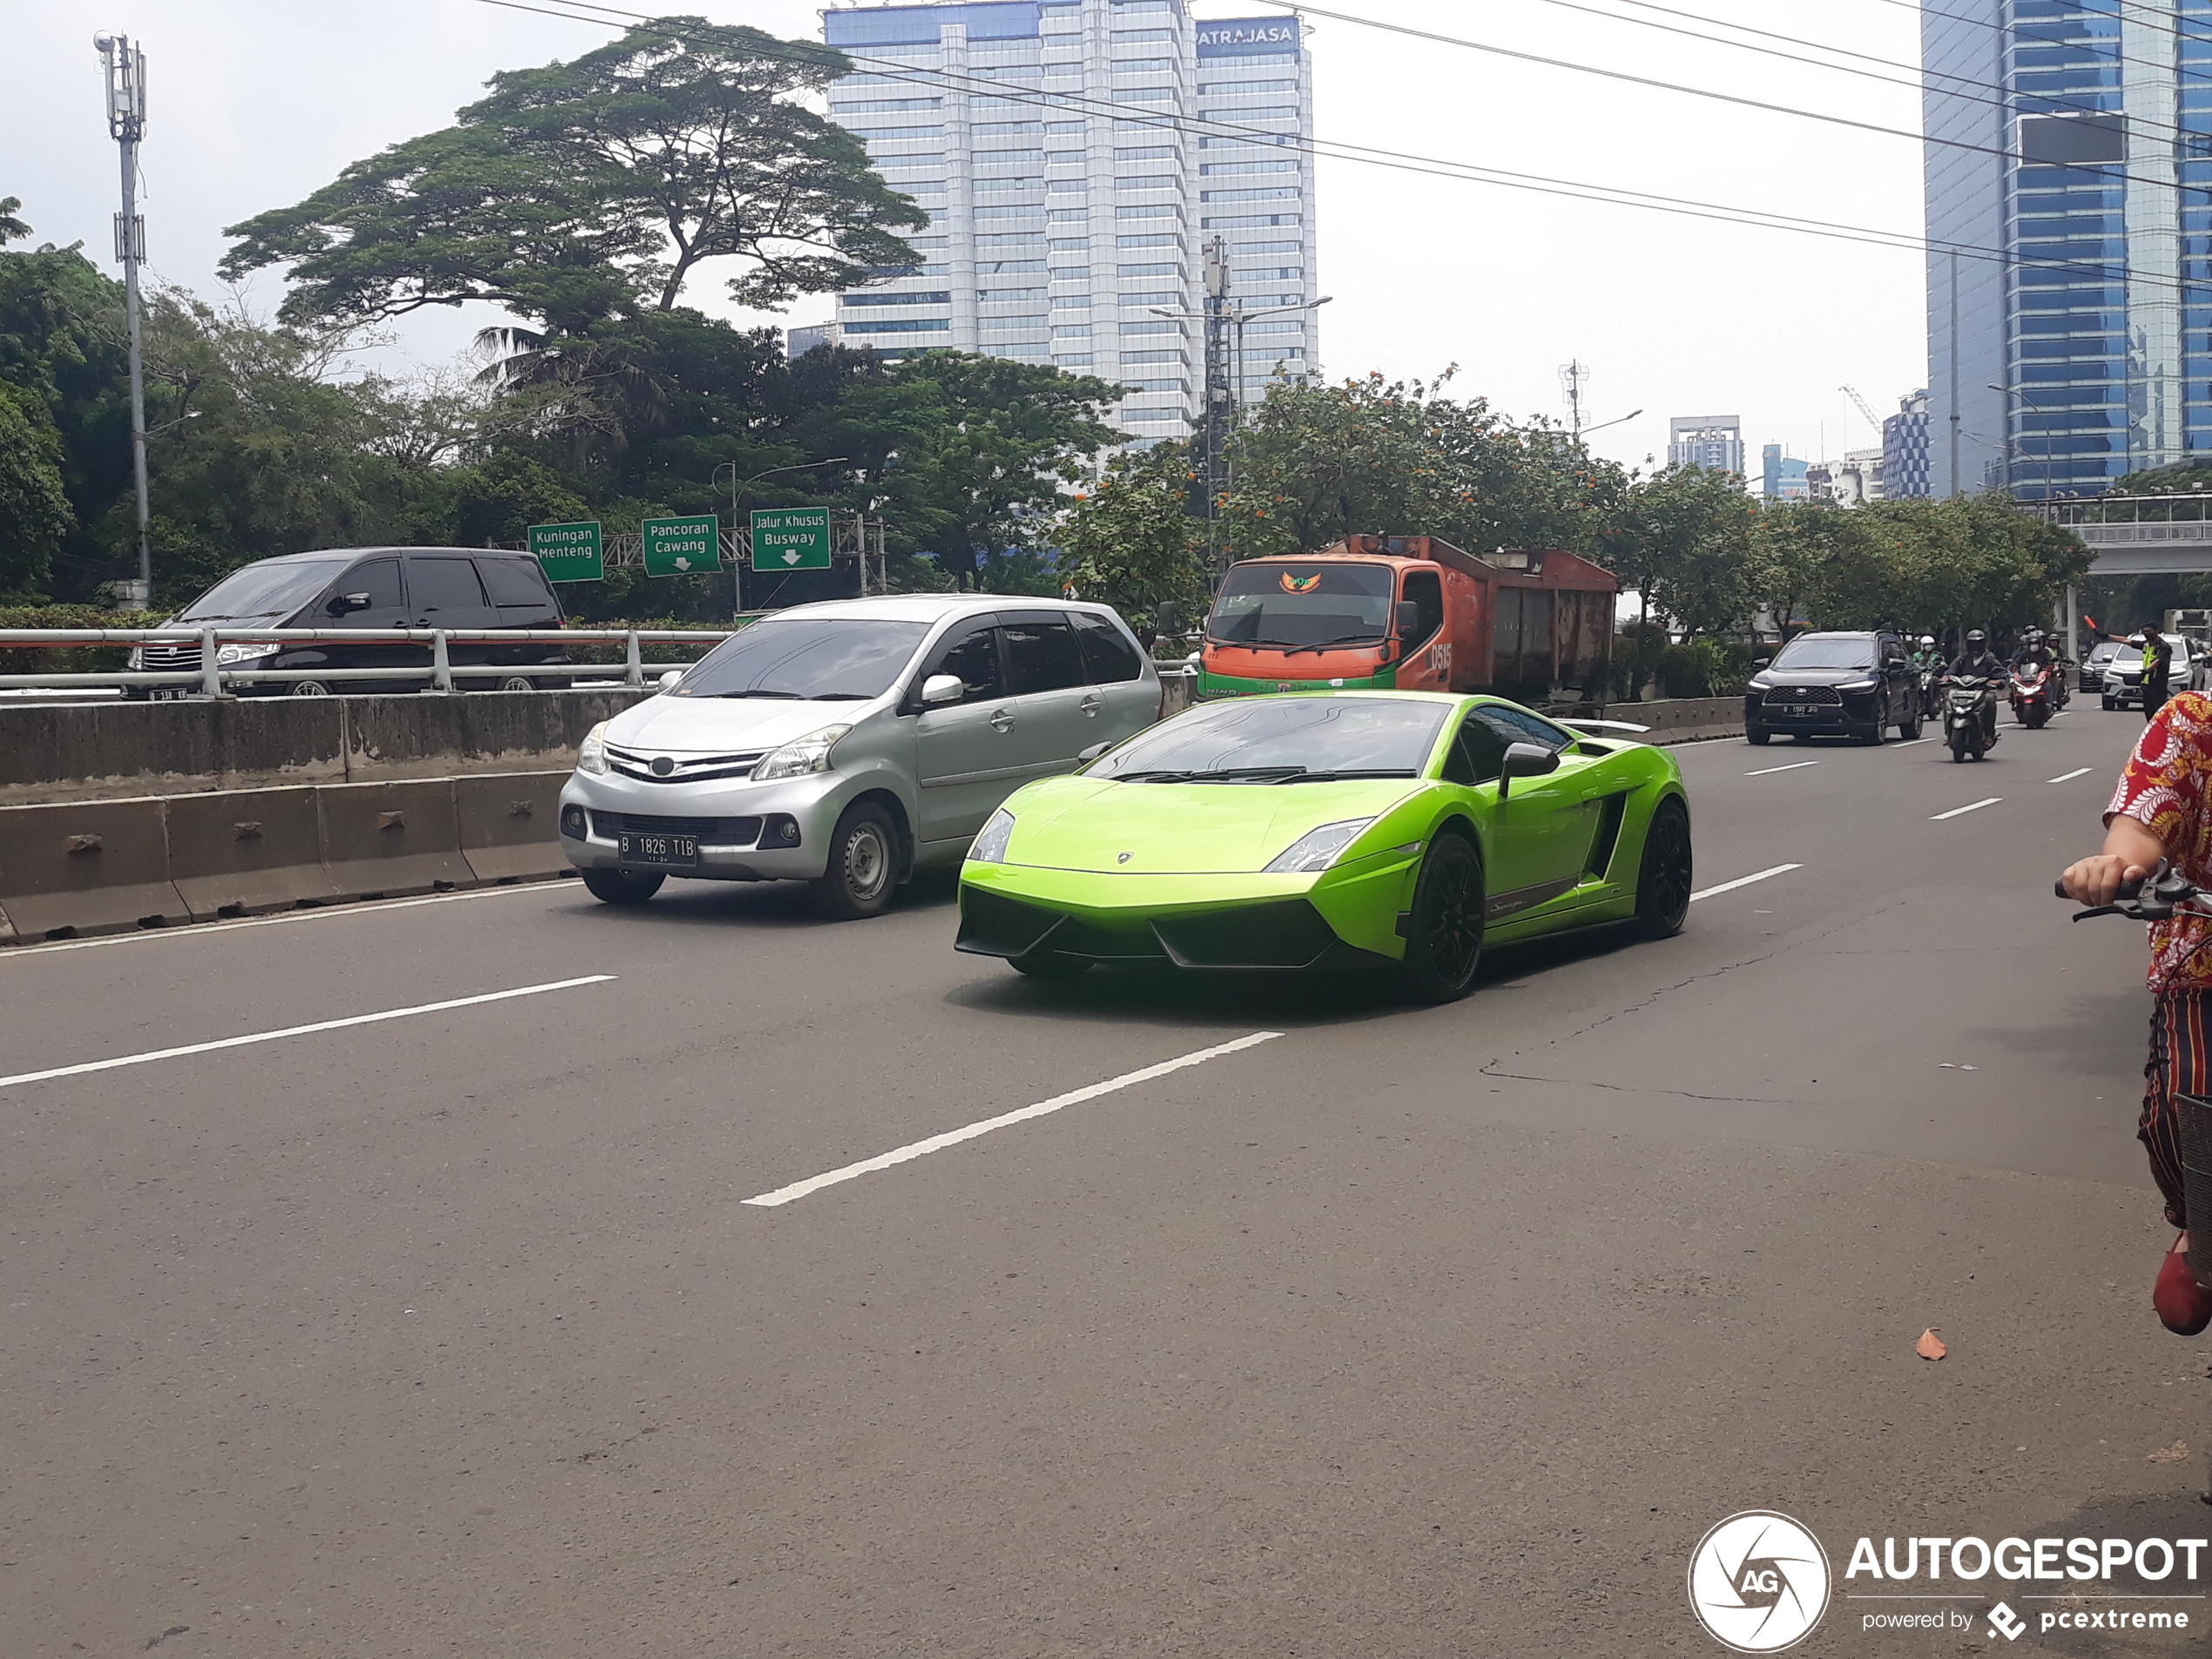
(1872, 419)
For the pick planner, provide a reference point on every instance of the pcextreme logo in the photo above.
(1759, 1583)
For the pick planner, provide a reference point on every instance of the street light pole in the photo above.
(2008, 391)
(737, 563)
(127, 122)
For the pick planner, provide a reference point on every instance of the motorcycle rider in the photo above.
(1977, 662)
(2158, 669)
(1928, 663)
(2162, 809)
(2035, 650)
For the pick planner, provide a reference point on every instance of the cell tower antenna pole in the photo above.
(127, 122)
(1572, 376)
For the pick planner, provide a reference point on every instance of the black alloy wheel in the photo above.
(863, 869)
(1757, 734)
(1909, 727)
(621, 887)
(1663, 880)
(1873, 739)
(1444, 941)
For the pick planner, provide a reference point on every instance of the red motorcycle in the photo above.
(2032, 694)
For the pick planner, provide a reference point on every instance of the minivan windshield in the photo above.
(1302, 603)
(1281, 740)
(822, 659)
(1806, 652)
(261, 592)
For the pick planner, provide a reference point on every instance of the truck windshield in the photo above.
(827, 659)
(262, 592)
(1282, 735)
(1298, 602)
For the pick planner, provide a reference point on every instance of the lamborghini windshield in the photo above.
(1298, 602)
(1282, 740)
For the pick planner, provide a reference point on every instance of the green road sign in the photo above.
(791, 538)
(681, 546)
(569, 552)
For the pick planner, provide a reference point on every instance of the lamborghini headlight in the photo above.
(800, 756)
(990, 845)
(591, 754)
(1316, 849)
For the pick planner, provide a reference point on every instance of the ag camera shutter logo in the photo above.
(1759, 1583)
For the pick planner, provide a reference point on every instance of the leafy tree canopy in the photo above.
(591, 189)
(34, 508)
(1129, 541)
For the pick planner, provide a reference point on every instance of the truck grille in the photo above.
(709, 831)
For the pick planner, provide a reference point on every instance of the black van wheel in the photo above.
(863, 869)
(621, 887)
(515, 683)
(307, 688)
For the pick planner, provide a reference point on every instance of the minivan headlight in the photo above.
(250, 652)
(1317, 849)
(591, 754)
(801, 756)
(990, 846)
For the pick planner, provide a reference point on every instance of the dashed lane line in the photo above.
(1961, 812)
(1744, 881)
(1044, 1107)
(151, 1056)
(1792, 766)
(2068, 777)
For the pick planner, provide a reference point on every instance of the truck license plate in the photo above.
(657, 849)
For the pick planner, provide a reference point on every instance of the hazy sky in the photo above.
(255, 103)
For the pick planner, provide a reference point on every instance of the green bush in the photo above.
(666, 652)
(68, 660)
(1703, 668)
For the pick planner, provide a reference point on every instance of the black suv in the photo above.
(371, 587)
(1838, 685)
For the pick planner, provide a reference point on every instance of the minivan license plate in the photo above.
(657, 849)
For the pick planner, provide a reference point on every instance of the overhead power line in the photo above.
(951, 81)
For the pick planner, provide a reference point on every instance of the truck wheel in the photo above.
(1664, 879)
(1444, 935)
(621, 887)
(863, 869)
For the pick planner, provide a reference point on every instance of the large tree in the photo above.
(34, 508)
(594, 188)
(1682, 538)
(1129, 540)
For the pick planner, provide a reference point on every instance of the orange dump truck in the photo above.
(1415, 613)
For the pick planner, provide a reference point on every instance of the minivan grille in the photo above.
(170, 659)
(683, 769)
(711, 832)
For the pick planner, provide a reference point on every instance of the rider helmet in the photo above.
(1926, 640)
(1975, 637)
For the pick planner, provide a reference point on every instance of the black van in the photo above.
(369, 587)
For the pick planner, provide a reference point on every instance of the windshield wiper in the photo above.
(791, 697)
(1213, 775)
(1305, 777)
(1341, 639)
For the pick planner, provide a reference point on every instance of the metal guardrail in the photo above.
(212, 674)
(2118, 535)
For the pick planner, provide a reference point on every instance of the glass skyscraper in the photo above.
(1075, 155)
(2069, 180)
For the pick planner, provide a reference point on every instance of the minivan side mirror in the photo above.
(1409, 618)
(941, 689)
(343, 604)
(1525, 760)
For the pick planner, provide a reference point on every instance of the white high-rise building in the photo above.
(1074, 157)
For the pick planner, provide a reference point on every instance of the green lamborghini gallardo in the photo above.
(1405, 830)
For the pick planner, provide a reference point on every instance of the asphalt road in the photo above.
(1401, 1333)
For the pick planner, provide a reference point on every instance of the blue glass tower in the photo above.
(2070, 211)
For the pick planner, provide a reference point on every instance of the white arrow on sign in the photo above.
(792, 557)
(682, 564)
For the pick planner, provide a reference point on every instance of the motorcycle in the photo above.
(2031, 695)
(1931, 691)
(1969, 715)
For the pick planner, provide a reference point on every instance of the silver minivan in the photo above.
(849, 744)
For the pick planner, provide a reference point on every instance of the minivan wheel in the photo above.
(516, 683)
(309, 687)
(621, 887)
(863, 869)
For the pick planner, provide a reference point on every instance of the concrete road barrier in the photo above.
(383, 840)
(511, 825)
(87, 868)
(249, 850)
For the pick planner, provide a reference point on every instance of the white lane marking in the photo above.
(1908, 742)
(1957, 811)
(1792, 766)
(954, 1137)
(2068, 777)
(151, 1056)
(216, 930)
(1744, 881)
